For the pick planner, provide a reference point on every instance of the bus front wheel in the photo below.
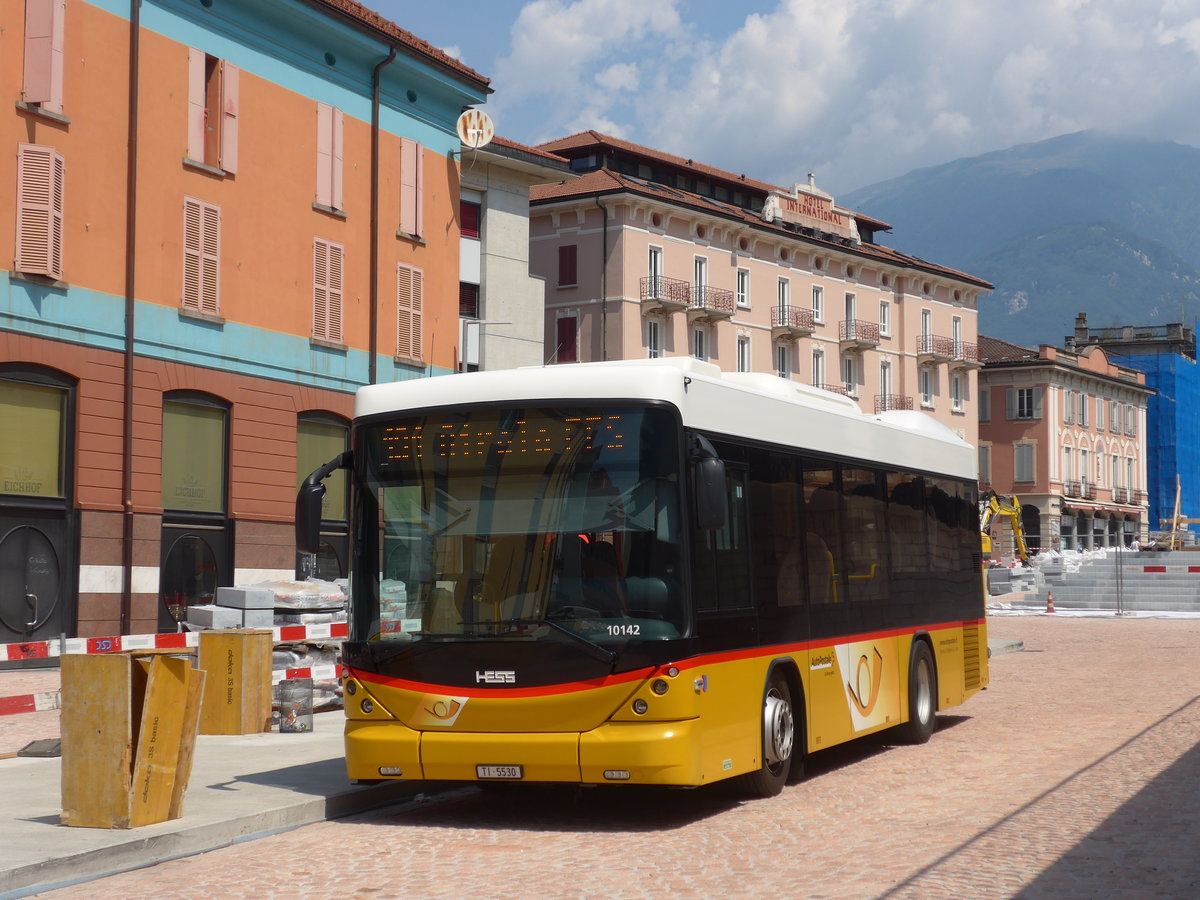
(922, 696)
(778, 740)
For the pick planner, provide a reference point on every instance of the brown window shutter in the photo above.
(41, 173)
(409, 313)
(201, 256)
(327, 290)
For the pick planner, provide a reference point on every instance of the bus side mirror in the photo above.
(308, 503)
(308, 517)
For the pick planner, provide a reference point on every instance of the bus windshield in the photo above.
(533, 523)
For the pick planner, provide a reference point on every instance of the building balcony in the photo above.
(789, 323)
(965, 356)
(665, 295)
(885, 402)
(1087, 490)
(834, 389)
(856, 335)
(1072, 489)
(1120, 495)
(710, 304)
(933, 348)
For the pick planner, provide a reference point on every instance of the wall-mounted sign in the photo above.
(810, 208)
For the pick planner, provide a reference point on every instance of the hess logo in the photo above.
(495, 677)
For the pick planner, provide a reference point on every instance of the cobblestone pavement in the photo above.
(1077, 775)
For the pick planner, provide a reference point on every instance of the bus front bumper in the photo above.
(617, 752)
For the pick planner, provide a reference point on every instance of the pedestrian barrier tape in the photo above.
(284, 634)
(30, 703)
(48, 700)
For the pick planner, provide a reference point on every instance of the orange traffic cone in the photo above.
(1049, 601)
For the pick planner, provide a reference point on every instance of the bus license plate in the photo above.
(511, 772)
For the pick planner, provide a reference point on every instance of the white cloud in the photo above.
(854, 90)
(566, 55)
(619, 77)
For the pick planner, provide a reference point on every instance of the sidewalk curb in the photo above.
(140, 851)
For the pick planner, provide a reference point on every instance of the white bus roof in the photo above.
(756, 406)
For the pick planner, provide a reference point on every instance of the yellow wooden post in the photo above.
(237, 693)
(128, 735)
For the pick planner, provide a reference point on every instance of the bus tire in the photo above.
(922, 696)
(778, 736)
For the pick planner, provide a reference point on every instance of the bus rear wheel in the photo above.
(922, 696)
(778, 740)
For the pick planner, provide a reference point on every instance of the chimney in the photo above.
(1081, 329)
(812, 180)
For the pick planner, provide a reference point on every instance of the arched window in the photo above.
(320, 437)
(37, 522)
(196, 555)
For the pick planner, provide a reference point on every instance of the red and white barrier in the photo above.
(1171, 570)
(284, 634)
(30, 703)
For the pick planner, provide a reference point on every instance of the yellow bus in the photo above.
(647, 572)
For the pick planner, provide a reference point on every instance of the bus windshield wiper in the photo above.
(594, 650)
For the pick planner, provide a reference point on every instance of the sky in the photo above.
(854, 91)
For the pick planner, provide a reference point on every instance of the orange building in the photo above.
(224, 219)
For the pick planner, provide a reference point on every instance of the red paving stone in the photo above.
(1077, 775)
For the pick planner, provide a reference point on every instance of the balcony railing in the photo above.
(934, 347)
(834, 388)
(1120, 495)
(885, 402)
(1072, 489)
(791, 322)
(1087, 490)
(966, 355)
(711, 303)
(665, 294)
(858, 334)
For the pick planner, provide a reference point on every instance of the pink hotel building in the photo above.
(647, 255)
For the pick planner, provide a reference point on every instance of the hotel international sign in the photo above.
(810, 208)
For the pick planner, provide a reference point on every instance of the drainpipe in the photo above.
(372, 367)
(604, 285)
(135, 14)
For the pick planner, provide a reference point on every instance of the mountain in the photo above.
(1085, 222)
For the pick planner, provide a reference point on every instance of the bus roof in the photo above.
(755, 406)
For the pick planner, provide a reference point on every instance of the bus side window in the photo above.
(720, 558)
(822, 526)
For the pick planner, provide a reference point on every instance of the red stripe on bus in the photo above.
(543, 690)
(693, 662)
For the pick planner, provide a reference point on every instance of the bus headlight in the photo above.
(659, 686)
(367, 706)
(640, 706)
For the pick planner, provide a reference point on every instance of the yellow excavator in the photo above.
(1009, 508)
